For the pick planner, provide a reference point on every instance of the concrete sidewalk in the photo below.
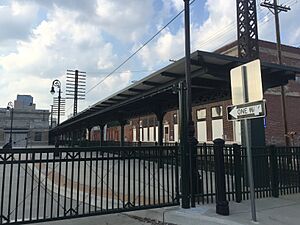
(270, 211)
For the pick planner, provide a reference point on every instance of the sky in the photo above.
(41, 39)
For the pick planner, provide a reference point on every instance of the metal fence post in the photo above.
(237, 172)
(222, 207)
(274, 171)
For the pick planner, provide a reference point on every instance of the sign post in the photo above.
(248, 103)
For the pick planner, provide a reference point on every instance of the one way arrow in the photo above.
(247, 110)
(233, 112)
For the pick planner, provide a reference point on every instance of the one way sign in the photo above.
(250, 110)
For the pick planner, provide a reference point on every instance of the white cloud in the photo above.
(94, 35)
(16, 20)
(218, 29)
(126, 20)
(58, 44)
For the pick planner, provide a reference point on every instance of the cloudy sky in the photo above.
(41, 39)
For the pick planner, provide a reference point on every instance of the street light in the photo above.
(56, 83)
(10, 107)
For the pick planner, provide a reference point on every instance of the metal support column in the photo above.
(185, 178)
(101, 134)
(122, 132)
(160, 118)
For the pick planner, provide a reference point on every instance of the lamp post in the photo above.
(10, 107)
(51, 121)
(56, 83)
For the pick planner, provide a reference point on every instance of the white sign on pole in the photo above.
(253, 83)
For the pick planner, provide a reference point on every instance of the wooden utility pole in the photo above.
(276, 9)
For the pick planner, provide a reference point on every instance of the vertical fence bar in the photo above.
(39, 185)
(17, 188)
(139, 177)
(153, 175)
(90, 181)
(118, 178)
(237, 172)
(10, 186)
(133, 180)
(78, 183)
(3, 188)
(32, 183)
(176, 174)
(274, 172)
(149, 181)
(124, 179)
(72, 181)
(107, 178)
(102, 177)
(298, 166)
(144, 176)
(96, 179)
(128, 176)
(66, 184)
(113, 181)
(59, 183)
(84, 180)
(294, 171)
(231, 155)
(227, 172)
(25, 184)
(52, 185)
(168, 165)
(160, 165)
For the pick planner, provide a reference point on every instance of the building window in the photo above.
(298, 79)
(38, 136)
(216, 111)
(175, 118)
(201, 114)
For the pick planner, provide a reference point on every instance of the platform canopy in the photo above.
(210, 78)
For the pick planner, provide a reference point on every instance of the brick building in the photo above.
(210, 119)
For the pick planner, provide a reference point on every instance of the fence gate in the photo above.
(49, 184)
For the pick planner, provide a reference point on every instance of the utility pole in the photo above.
(276, 9)
(75, 87)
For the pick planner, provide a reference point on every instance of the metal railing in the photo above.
(276, 172)
(49, 184)
(86, 143)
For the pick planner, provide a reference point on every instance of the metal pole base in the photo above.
(222, 208)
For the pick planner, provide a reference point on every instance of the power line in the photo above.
(139, 49)
(118, 72)
(229, 27)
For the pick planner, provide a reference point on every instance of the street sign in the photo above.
(246, 84)
(250, 110)
(247, 95)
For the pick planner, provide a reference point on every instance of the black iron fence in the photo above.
(276, 172)
(48, 184)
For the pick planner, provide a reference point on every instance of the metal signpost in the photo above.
(248, 103)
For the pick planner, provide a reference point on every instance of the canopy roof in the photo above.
(210, 78)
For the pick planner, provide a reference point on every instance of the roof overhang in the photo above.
(210, 79)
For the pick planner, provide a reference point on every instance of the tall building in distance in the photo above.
(30, 125)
